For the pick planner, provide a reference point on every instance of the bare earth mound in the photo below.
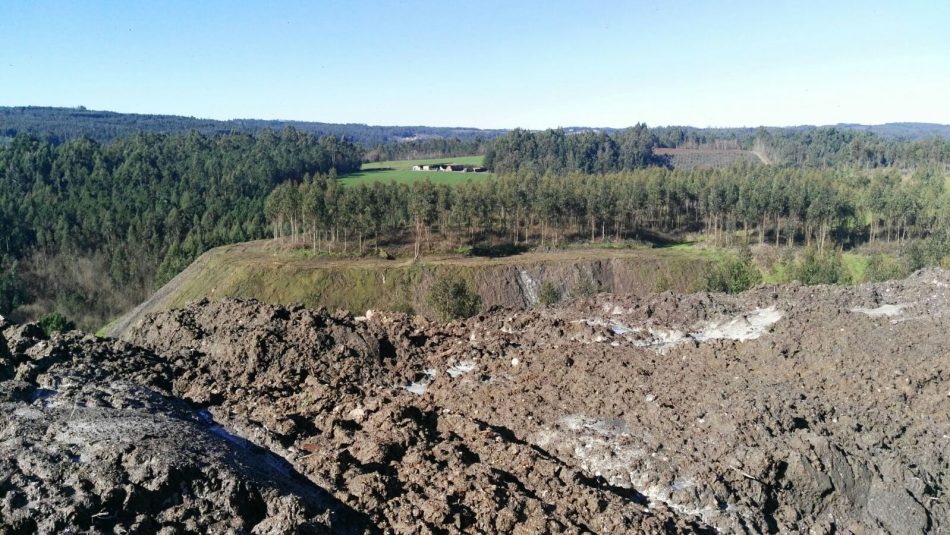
(92, 441)
(783, 409)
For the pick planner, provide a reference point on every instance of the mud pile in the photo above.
(783, 409)
(93, 441)
(334, 395)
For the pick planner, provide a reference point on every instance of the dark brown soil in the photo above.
(784, 409)
(93, 441)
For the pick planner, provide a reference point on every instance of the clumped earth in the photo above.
(784, 409)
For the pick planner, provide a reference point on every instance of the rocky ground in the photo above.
(784, 409)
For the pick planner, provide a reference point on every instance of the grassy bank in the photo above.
(264, 271)
(272, 273)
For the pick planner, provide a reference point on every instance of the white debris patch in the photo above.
(529, 287)
(419, 387)
(883, 310)
(620, 329)
(748, 326)
(603, 427)
(745, 327)
(370, 314)
(661, 339)
(610, 449)
(460, 369)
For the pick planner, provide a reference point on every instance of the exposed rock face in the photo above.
(784, 409)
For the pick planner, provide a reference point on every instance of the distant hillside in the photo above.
(691, 136)
(908, 131)
(70, 123)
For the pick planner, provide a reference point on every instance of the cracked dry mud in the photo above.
(783, 409)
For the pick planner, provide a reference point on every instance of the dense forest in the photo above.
(62, 124)
(558, 151)
(431, 148)
(826, 147)
(690, 136)
(91, 228)
(826, 208)
(894, 144)
(555, 151)
(95, 227)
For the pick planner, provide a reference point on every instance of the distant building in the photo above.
(450, 168)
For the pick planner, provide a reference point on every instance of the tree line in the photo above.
(558, 151)
(428, 148)
(781, 205)
(62, 124)
(829, 147)
(906, 145)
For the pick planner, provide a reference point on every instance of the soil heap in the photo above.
(783, 409)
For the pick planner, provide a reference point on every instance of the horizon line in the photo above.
(802, 125)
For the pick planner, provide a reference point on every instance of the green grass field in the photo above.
(401, 171)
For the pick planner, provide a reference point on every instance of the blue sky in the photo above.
(486, 63)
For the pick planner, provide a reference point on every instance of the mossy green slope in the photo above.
(265, 271)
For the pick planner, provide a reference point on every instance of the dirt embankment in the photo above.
(784, 409)
(267, 272)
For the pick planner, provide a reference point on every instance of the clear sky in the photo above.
(486, 63)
